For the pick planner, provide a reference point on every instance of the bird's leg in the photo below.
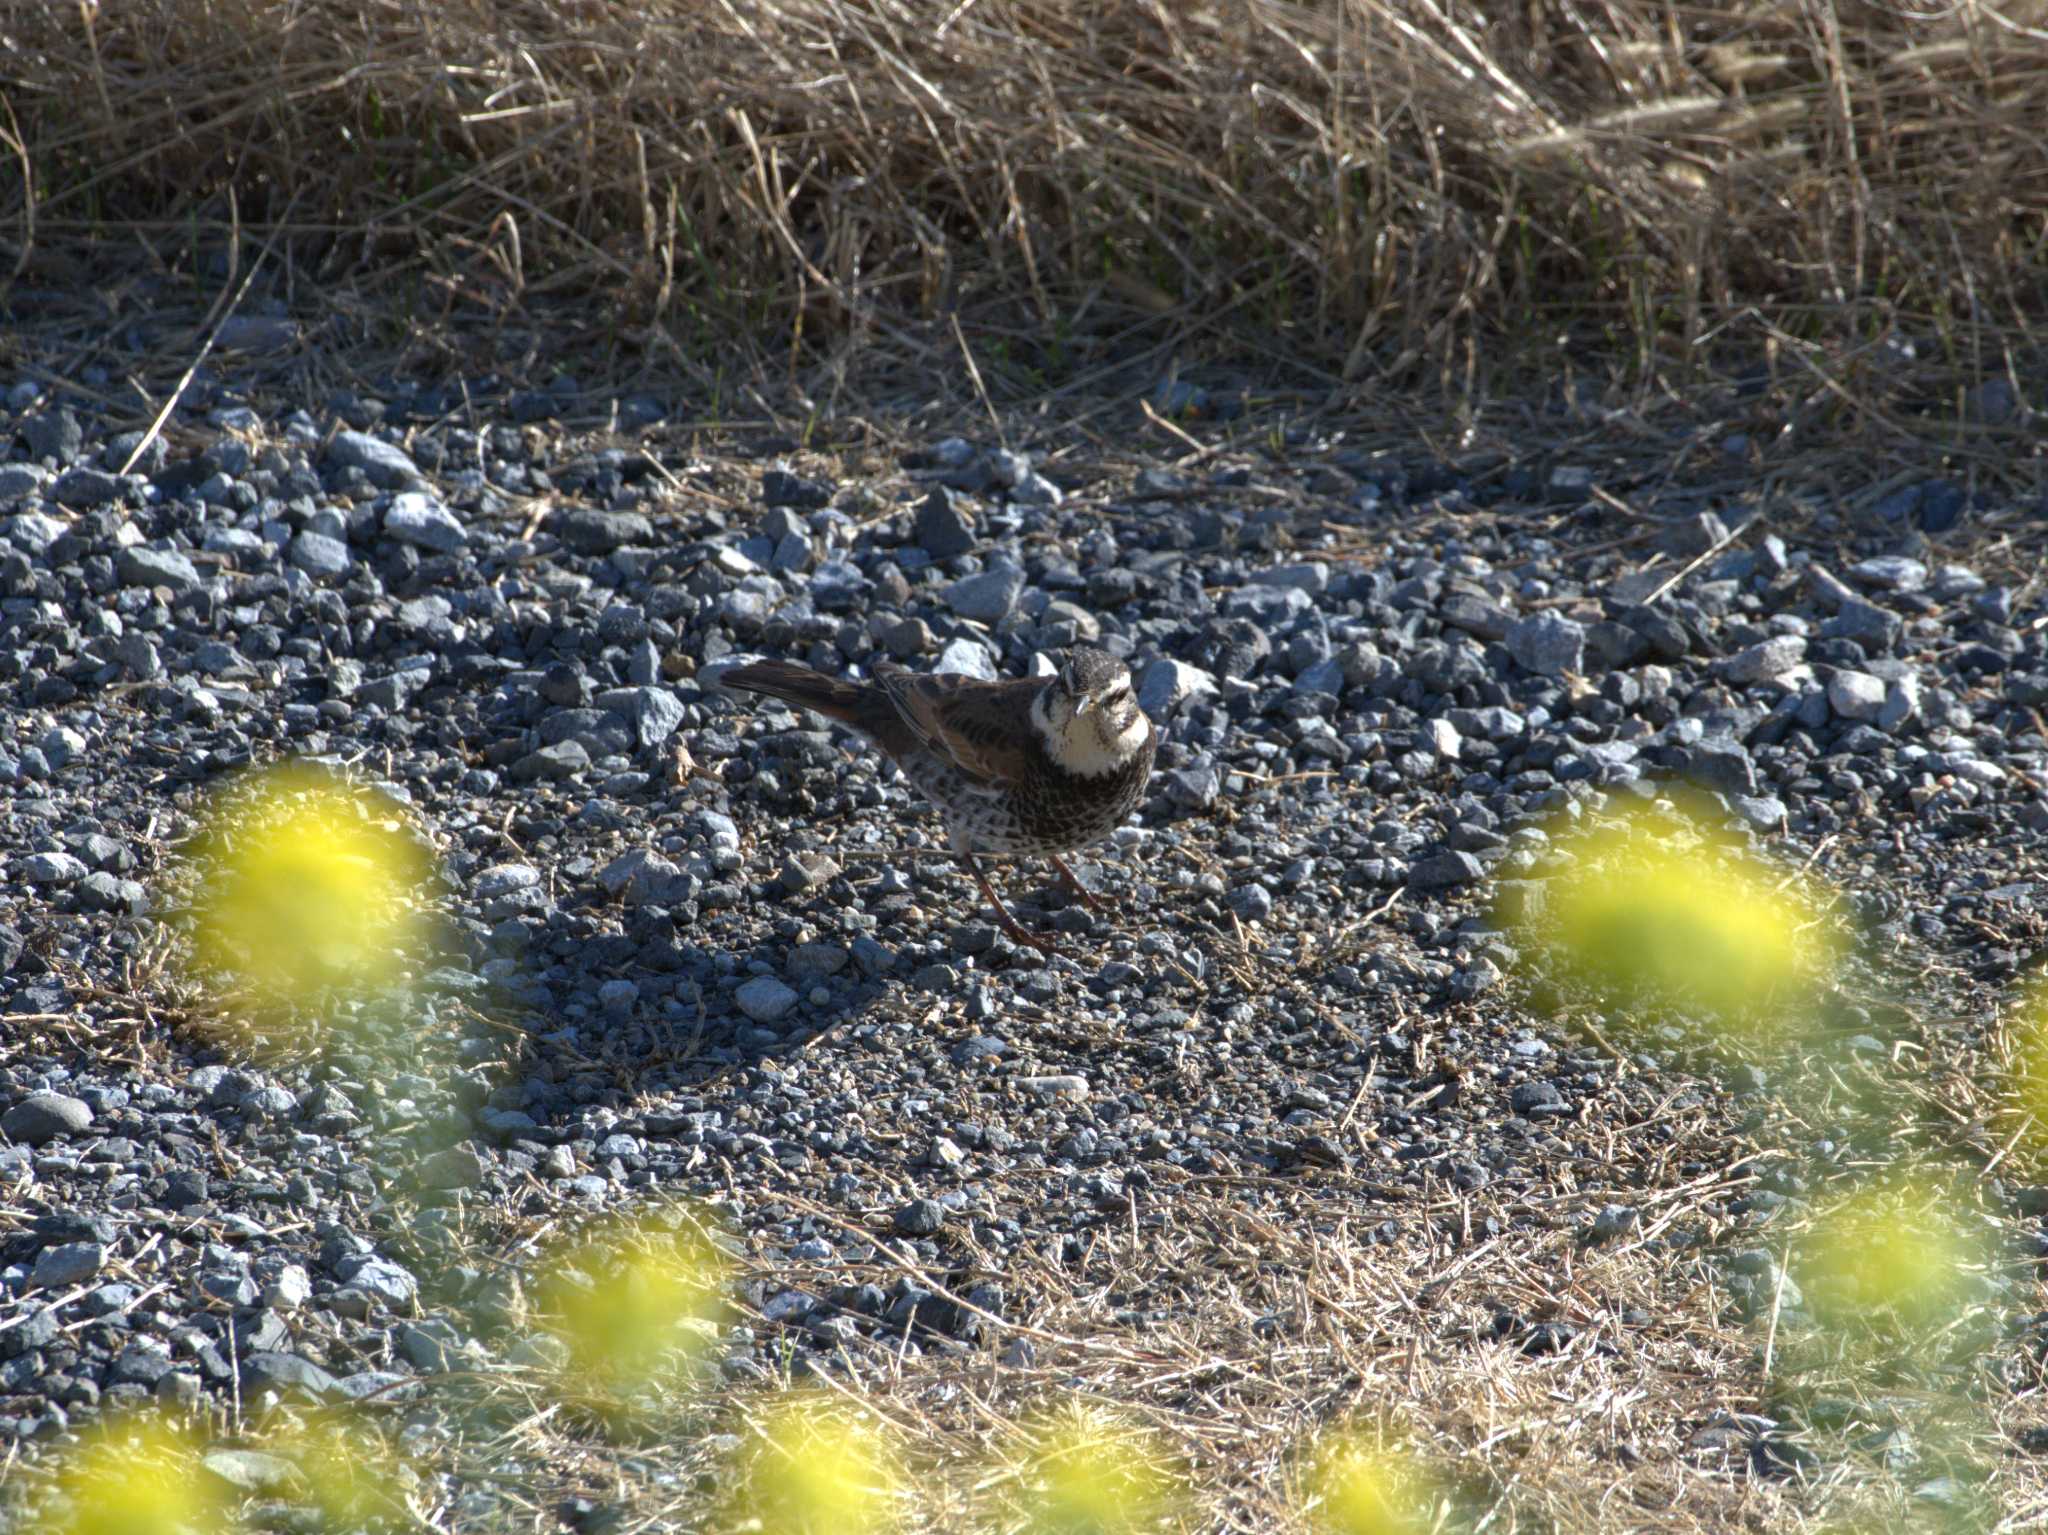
(1009, 923)
(1088, 897)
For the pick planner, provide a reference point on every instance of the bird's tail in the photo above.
(832, 697)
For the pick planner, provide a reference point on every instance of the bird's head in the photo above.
(1088, 713)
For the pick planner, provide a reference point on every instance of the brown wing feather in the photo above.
(982, 727)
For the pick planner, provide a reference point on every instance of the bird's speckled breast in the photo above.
(1046, 811)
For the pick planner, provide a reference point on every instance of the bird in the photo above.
(1031, 767)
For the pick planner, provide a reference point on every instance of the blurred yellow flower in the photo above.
(307, 883)
(138, 1477)
(348, 1473)
(634, 1301)
(1357, 1489)
(1890, 1252)
(819, 1470)
(1086, 1473)
(1702, 930)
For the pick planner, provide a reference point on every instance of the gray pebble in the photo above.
(1856, 695)
(388, 466)
(765, 999)
(986, 598)
(920, 1218)
(68, 1263)
(415, 517)
(969, 658)
(1765, 661)
(53, 869)
(1549, 644)
(319, 556)
(43, 1117)
(143, 566)
(458, 1167)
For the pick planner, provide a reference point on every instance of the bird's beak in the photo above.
(1083, 702)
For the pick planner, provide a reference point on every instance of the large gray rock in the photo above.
(419, 519)
(1548, 644)
(986, 598)
(43, 1117)
(388, 467)
(143, 566)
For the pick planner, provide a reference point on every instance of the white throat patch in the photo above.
(1082, 745)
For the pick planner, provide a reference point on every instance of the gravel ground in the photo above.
(699, 946)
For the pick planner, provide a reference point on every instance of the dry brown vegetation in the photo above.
(1418, 192)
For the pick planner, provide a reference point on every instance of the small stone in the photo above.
(139, 654)
(320, 556)
(1765, 661)
(387, 466)
(920, 1218)
(986, 598)
(290, 1288)
(1252, 902)
(564, 759)
(1061, 1085)
(1166, 684)
(559, 1163)
(585, 530)
(43, 1117)
(781, 488)
(908, 638)
(255, 333)
(251, 1470)
(53, 868)
(419, 519)
(83, 488)
(425, 1348)
(814, 961)
(459, 1167)
(1901, 704)
(1890, 572)
(1872, 627)
(142, 1363)
(143, 566)
(1445, 871)
(1311, 576)
(1537, 1100)
(271, 1370)
(967, 658)
(53, 434)
(1856, 695)
(765, 999)
(807, 870)
(1548, 644)
(943, 530)
(68, 1263)
(503, 879)
(1195, 787)
(179, 1390)
(390, 1282)
(1614, 1221)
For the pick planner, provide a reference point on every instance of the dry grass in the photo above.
(1405, 191)
(1274, 1314)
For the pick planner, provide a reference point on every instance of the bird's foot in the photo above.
(1037, 941)
(1072, 880)
(1009, 923)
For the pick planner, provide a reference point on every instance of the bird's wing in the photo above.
(982, 728)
